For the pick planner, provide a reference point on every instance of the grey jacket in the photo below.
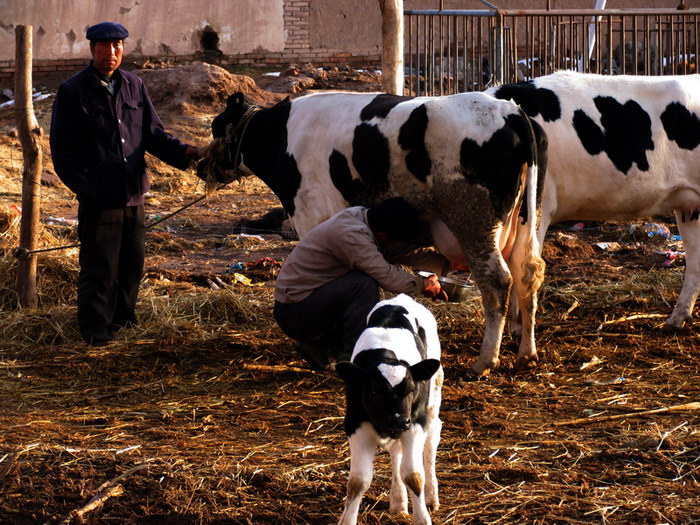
(342, 243)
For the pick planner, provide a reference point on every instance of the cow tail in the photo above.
(534, 265)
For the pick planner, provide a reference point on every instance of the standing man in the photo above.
(331, 280)
(103, 123)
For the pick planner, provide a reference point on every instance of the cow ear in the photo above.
(235, 100)
(349, 372)
(425, 369)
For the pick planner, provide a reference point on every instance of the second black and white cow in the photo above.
(620, 148)
(393, 391)
(468, 162)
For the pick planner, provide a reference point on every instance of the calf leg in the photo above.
(398, 497)
(690, 233)
(433, 430)
(412, 472)
(363, 445)
(432, 500)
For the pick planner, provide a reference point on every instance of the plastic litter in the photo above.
(652, 230)
(61, 221)
(613, 381)
(242, 279)
(245, 235)
(235, 266)
(608, 246)
(670, 255)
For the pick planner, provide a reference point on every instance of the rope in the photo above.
(23, 253)
(243, 123)
(222, 146)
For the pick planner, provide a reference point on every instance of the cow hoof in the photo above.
(472, 375)
(525, 363)
(673, 327)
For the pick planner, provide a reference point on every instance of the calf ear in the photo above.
(425, 369)
(349, 372)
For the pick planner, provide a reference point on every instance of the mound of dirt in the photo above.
(566, 245)
(300, 80)
(199, 89)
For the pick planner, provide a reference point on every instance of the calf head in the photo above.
(393, 394)
(222, 157)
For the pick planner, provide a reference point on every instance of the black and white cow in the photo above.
(393, 392)
(465, 161)
(620, 148)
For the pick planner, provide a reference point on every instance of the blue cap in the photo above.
(106, 31)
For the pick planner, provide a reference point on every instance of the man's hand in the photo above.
(432, 288)
(192, 153)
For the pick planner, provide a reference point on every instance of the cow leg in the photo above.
(494, 280)
(413, 442)
(690, 233)
(363, 445)
(398, 497)
(474, 227)
(527, 269)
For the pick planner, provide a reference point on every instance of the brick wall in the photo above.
(296, 51)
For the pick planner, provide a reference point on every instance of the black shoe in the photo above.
(314, 355)
(100, 338)
(118, 324)
(99, 341)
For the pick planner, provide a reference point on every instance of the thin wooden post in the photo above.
(392, 46)
(30, 135)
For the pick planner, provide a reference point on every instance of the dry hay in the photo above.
(163, 241)
(203, 413)
(228, 425)
(56, 274)
(207, 415)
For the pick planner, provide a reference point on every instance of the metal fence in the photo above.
(448, 51)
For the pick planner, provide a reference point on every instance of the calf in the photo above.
(468, 162)
(393, 387)
(620, 148)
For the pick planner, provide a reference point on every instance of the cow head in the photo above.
(222, 158)
(393, 394)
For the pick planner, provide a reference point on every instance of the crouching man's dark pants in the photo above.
(333, 315)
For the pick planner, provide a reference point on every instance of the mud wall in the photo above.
(172, 27)
(277, 33)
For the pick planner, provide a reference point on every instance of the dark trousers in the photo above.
(112, 253)
(335, 313)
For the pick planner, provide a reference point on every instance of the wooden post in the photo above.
(392, 46)
(30, 135)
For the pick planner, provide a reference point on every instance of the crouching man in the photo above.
(331, 280)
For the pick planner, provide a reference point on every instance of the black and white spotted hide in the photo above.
(393, 391)
(620, 148)
(470, 163)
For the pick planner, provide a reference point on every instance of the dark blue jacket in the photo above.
(98, 141)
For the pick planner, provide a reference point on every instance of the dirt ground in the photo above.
(203, 414)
